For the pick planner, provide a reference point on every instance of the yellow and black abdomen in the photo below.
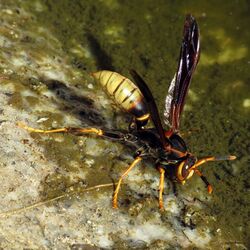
(125, 93)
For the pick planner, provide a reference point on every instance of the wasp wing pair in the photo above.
(166, 147)
(139, 100)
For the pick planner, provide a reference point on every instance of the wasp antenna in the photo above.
(225, 158)
(213, 158)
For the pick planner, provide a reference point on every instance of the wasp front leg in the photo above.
(131, 166)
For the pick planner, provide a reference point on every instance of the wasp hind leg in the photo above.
(132, 165)
(70, 130)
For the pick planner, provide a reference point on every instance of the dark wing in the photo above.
(189, 57)
(154, 114)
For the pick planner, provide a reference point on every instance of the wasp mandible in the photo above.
(165, 147)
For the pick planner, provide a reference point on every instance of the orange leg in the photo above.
(209, 187)
(161, 187)
(132, 165)
(62, 130)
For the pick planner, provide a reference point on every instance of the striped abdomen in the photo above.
(125, 93)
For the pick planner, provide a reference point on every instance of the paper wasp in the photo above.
(165, 147)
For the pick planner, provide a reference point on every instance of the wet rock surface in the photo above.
(47, 52)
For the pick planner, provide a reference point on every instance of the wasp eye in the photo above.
(183, 171)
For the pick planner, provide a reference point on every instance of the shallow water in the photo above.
(48, 50)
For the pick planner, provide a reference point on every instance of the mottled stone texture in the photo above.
(47, 51)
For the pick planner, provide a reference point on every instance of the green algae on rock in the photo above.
(49, 40)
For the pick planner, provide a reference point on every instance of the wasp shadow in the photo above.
(68, 100)
(103, 60)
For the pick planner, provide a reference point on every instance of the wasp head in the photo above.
(185, 168)
(189, 166)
